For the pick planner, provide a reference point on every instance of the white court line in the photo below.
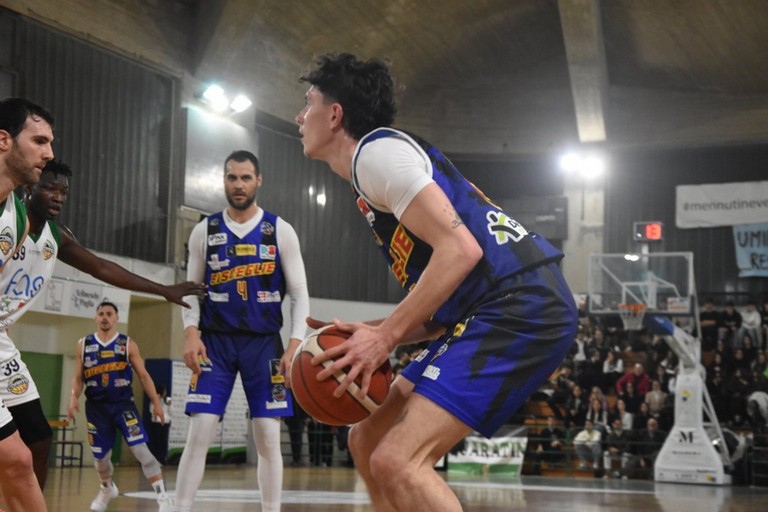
(358, 498)
(253, 496)
(548, 488)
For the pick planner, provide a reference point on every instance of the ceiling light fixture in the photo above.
(240, 103)
(215, 97)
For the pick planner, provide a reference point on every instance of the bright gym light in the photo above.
(240, 103)
(586, 165)
(215, 97)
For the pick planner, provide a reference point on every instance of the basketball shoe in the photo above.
(164, 503)
(102, 499)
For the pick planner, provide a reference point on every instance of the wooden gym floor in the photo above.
(232, 489)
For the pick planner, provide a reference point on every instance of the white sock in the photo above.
(202, 427)
(266, 434)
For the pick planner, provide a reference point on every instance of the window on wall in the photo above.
(114, 119)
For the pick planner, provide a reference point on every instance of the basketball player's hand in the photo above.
(74, 407)
(361, 355)
(176, 292)
(194, 350)
(159, 412)
(287, 360)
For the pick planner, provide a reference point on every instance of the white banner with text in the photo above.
(503, 453)
(723, 204)
(751, 242)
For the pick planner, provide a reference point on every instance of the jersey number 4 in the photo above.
(242, 289)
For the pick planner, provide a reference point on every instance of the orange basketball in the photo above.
(316, 397)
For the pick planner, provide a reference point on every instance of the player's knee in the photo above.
(388, 468)
(360, 443)
(16, 463)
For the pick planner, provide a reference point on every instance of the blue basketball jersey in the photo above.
(107, 374)
(508, 248)
(245, 280)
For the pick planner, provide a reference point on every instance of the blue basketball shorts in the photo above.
(257, 358)
(105, 418)
(490, 362)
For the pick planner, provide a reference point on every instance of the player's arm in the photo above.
(77, 382)
(137, 363)
(426, 211)
(455, 252)
(194, 349)
(296, 288)
(74, 254)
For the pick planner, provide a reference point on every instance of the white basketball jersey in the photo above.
(25, 276)
(13, 220)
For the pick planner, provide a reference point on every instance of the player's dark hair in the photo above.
(364, 89)
(240, 156)
(58, 168)
(107, 303)
(15, 111)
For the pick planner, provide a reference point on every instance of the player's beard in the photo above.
(243, 204)
(23, 173)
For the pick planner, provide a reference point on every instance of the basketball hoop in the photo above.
(632, 316)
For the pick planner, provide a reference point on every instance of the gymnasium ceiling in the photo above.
(485, 77)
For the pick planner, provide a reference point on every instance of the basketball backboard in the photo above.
(662, 281)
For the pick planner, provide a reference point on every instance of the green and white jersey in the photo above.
(13, 221)
(26, 273)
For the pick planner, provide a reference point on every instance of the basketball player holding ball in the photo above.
(489, 293)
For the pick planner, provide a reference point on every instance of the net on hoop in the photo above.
(632, 316)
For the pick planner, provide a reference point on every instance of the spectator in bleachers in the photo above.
(630, 397)
(740, 362)
(655, 399)
(646, 446)
(598, 415)
(601, 342)
(666, 418)
(591, 370)
(576, 407)
(659, 351)
(710, 323)
(670, 363)
(620, 412)
(717, 391)
(639, 341)
(562, 386)
(549, 445)
(578, 351)
(760, 364)
(730, 323)
(738, 389)
(663, 377)
(640, 419)
(616, 449)
(638, 377)
(596, 393)
(613, 369)
(750, 325)
(726, 355)
(613, 330)
(750, 351)
(588, 447)
(723, 357)
(764, 325)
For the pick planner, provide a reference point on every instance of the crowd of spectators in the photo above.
(615, 391)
